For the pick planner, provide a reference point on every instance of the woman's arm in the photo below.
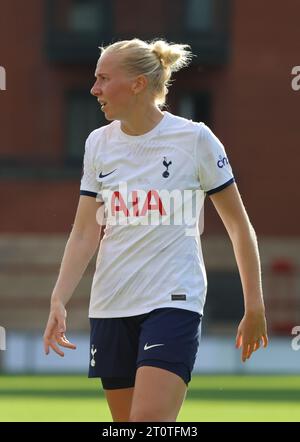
(252, 328)
(80, 248)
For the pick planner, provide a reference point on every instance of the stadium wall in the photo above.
(24, 354)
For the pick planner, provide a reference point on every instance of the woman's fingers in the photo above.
(265, 340)
(248, 349)
(238, 340)
(59, 339)
(256, 345)
(56, 348)
(64, 342)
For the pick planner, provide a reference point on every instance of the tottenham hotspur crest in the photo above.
(166, 173)
(93, 352)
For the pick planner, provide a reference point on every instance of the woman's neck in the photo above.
(142, 122)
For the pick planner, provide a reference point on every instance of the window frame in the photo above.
(69, 46)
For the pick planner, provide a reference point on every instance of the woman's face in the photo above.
(113, 87)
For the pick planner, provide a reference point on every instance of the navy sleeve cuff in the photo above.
(87, 193)
(217, 189)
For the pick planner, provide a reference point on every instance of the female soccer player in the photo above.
(149, 169)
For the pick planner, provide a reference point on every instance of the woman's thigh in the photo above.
(158, 395)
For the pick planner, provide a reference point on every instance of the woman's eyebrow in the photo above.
(100, 73)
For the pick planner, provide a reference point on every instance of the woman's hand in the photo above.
(55, 330)
(251, 332)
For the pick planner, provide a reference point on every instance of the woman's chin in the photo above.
(108, 116)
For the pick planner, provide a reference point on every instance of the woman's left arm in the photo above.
(252, 328)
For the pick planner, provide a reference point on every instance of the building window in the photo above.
(77, 16)
(200, 15)
(205, 25)
(76, 28)
(83, 116)
(196, 107)
(229, 284)
(85, 16)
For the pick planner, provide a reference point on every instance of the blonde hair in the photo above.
(157, 60)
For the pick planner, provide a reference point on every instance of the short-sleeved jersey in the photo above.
(152, 187)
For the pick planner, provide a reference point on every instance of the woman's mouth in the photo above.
(102, 104)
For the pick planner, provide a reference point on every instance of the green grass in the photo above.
(210, 398)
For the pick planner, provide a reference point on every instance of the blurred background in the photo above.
(240, 84)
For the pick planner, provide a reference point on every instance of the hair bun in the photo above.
(172, 56)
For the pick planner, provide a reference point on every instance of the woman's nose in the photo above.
(95, 90)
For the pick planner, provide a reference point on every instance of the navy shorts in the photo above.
(167, 338)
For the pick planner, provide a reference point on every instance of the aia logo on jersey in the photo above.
(152, 207)
(166, 173)
(139, 207)
(223, 161)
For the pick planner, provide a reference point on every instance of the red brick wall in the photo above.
(38, 207)
(24, 106)
(32, 108)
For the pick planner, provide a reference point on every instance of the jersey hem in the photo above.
(122, 314)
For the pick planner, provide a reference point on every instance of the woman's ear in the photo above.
(140, 83)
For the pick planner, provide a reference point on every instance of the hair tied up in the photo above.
(160, 58)
(172, 56)
(138, 57)
(158, 55)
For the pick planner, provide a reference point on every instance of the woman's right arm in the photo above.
(82, 244)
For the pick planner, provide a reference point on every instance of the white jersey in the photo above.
(143, 265)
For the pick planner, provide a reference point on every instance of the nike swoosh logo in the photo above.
(147, 347)
(106, 174)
